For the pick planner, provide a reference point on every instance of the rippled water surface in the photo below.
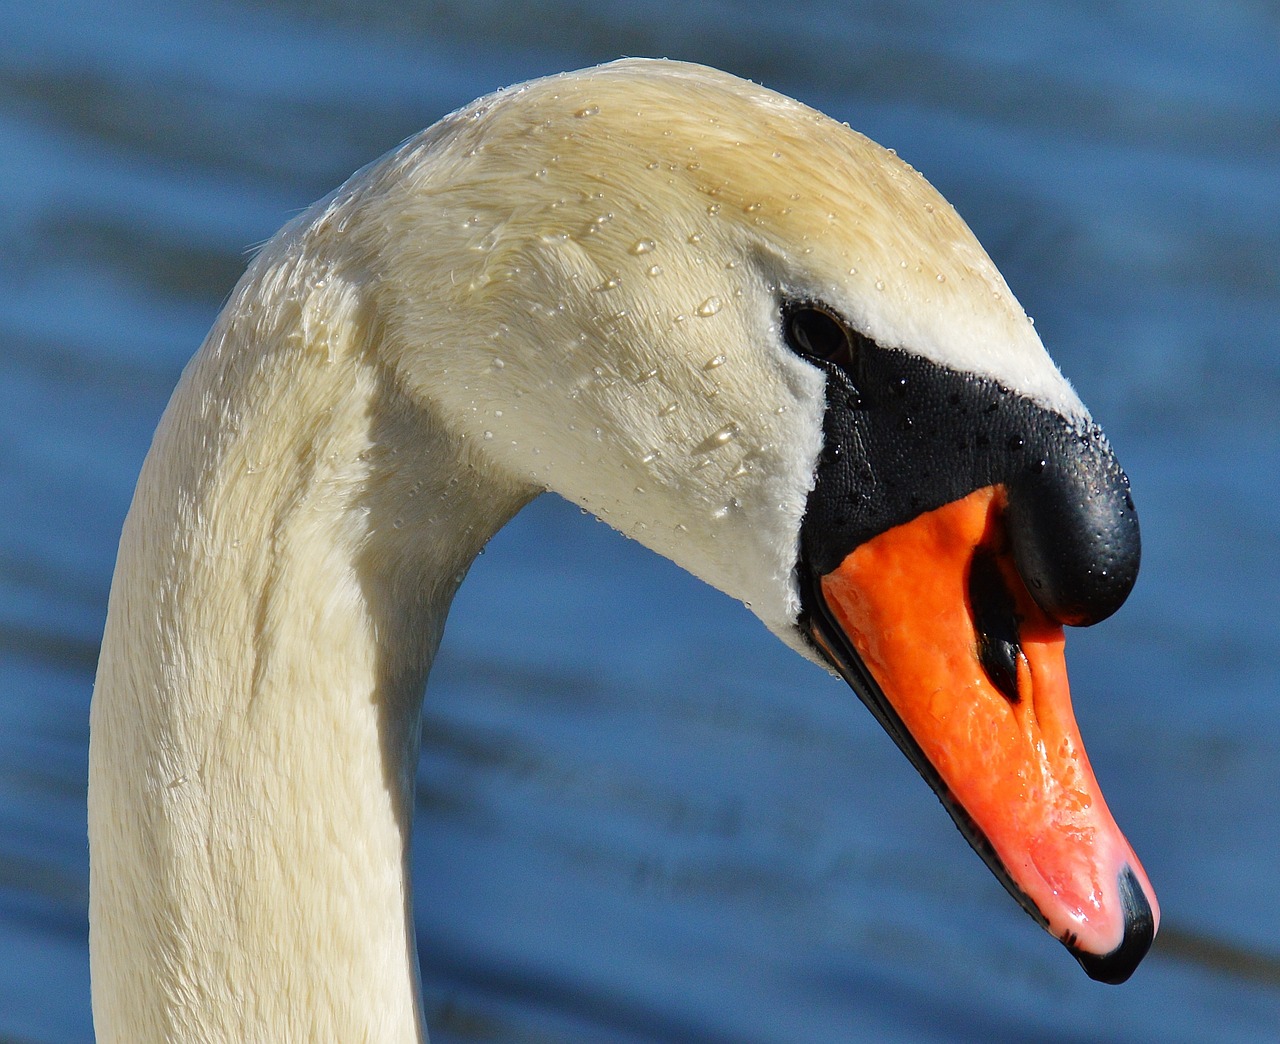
(641, 818)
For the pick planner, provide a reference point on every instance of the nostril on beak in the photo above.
(996, 624)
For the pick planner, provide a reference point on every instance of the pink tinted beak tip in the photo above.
(1139, 932)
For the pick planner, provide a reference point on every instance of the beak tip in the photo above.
(1139, 932)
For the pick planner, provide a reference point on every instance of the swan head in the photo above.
(765, 347)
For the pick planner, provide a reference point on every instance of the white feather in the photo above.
(572, 285)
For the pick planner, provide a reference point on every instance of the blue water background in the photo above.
(641, 818)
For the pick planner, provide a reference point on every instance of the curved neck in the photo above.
(297, 536)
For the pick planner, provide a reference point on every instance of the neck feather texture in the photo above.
(298, 533)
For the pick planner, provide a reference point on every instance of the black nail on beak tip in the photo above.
(1139, 932)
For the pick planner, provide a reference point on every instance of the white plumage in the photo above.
(570, 285)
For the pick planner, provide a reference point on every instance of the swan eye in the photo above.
(817, 333)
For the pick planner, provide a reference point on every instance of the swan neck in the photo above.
(285, 571)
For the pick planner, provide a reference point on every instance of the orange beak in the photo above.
(932, 625)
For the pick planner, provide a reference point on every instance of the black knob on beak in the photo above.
(1074, 529)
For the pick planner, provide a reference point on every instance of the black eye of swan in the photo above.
(815, 332)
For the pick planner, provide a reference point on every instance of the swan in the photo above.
(734, 329)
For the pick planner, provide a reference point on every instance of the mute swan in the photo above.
(741, 333)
